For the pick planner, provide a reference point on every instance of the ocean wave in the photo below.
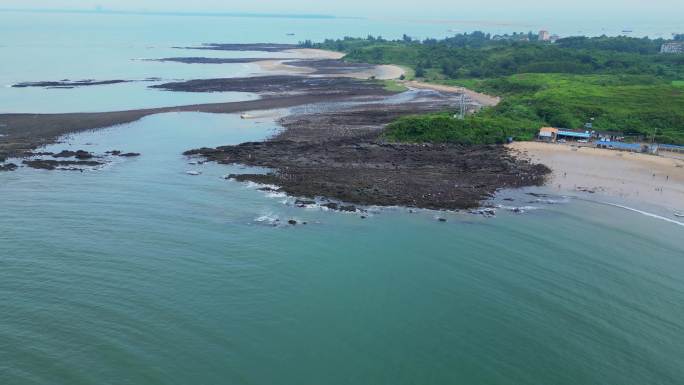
(646, 213)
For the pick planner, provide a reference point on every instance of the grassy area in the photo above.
(394, 86)
(444, 127)
(409, 73)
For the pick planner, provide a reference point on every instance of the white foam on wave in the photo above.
(646, 213)
(519, 210)
(268, 219)
(550, 201)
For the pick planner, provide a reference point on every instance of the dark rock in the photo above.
(80, 154)
(331, 205)
(304, 202)
(67, 84)
(292, 222)
(210, 60)
(8, 167)
(265, 47)
(442, 219)
(47, 164)
(129, 154)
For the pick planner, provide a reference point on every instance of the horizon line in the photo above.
(177, 13)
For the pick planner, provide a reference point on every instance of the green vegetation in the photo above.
(393, 86)
(445, 128)
(617, 83)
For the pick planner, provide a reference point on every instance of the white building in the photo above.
(673, 47)
(544, 36)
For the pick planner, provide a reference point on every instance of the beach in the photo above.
(282, 66)
(607, 174)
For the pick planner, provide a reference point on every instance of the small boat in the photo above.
(290, 34)
(193, 173)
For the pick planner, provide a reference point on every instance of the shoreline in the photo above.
(633, 178)
(379, 71)
(335, 148)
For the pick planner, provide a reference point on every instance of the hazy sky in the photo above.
(507, 9)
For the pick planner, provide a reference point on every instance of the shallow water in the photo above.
(138, 273)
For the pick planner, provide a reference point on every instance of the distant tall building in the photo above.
(673, 47)
(544, 36)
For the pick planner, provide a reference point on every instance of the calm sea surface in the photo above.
(138, 273)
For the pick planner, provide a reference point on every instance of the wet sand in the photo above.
(632, 177)
(479, 98)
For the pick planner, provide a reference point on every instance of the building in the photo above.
(544, 36)
(611, 136)
(573, 135)
(672, 47)
(552, 134)
(548, 134)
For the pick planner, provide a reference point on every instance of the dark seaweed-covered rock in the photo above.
(80, 154)
(304, 202)
(122, 154)
(67, 84)
(48, 164)
(339, 207)
(212, 60)
(8, 167)
(268, 189)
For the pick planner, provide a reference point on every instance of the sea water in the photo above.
(138, 273)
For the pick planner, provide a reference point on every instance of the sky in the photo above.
(447, 9)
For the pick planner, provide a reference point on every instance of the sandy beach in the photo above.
(630, 177)
(281, 67)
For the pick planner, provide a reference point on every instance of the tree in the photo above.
(420, 70)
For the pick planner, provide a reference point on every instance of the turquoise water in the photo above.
(138, 273)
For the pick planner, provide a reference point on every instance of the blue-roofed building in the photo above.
(573, 135)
